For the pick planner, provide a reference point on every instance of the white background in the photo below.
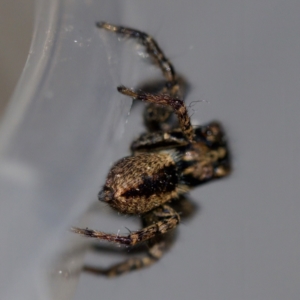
(242, 59)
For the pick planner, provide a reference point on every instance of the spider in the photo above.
(167, 161)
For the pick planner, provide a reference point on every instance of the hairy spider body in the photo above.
(166, 162)
(139, 183)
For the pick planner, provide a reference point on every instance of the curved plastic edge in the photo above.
(51, 148)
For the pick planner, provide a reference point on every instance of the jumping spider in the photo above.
(166, 162)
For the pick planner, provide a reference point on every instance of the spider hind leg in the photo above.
(154, 253)
(168, 219)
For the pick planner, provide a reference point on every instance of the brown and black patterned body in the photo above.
(137, 184)
(144, 181)
(166, 162)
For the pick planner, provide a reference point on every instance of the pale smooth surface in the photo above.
(15, 41)
(52, 154)
(242, 61)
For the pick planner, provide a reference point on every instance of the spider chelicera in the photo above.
(166, 162)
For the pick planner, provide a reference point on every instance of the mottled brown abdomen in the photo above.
(137, 184)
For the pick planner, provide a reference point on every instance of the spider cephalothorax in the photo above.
(164, 165)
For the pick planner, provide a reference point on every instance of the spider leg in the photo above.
(156, 118)
(151, 47)
(159, 140)
(177, 105)
(156, 248)
(168, 219)
(155, 252)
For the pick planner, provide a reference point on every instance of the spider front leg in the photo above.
(153, 141)
(177, 105)
(168, 219)
(156, 118)
(152, 49)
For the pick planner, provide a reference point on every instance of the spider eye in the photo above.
(208, 132)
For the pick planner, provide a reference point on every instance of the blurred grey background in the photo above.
(16, 25)
(242, 60)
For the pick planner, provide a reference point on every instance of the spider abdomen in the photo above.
(137, 184)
